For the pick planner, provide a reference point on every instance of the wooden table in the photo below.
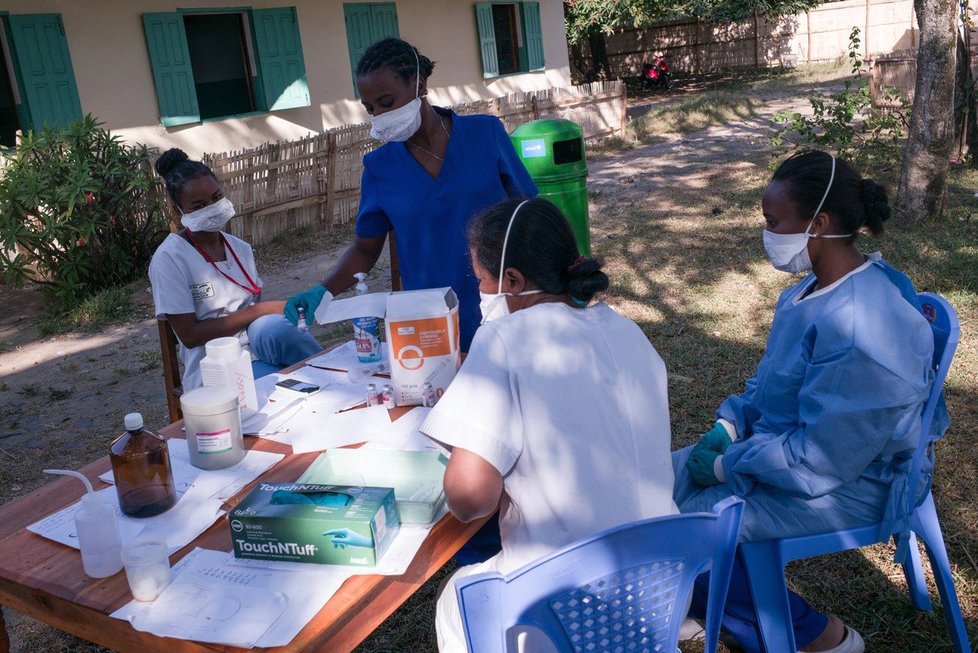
(44, 579)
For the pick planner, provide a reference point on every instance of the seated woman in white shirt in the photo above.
(558, 417)
(205, 283)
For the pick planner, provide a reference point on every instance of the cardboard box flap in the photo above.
(415, 303)
(372, 304)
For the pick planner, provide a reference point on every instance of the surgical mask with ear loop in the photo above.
(494, 306)
(212, 217)
(789, 252)
(401, 123)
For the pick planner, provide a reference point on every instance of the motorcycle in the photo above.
(656, 74)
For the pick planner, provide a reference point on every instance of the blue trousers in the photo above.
(278, 344)
(739, 620)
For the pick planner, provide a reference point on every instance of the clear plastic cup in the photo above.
(147, 564)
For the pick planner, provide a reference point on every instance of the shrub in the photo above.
(847, 122)
(79, 211)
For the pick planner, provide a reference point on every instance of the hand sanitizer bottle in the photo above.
(366, 330)
(98, 531)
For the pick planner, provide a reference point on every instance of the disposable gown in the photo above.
(829, 422)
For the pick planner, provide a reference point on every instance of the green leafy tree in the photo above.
(79, 211)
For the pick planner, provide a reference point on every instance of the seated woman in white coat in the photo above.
(559, 416)
(206, 284)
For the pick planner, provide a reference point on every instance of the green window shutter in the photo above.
(367, 23)
(169, 57)
(533, 35)
(357, 19)
(44, 70)
(281, 66)
(487, 39)
(383, 21)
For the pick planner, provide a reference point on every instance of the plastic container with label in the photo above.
(213, 426)
(226, 363)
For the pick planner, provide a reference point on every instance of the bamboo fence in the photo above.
(314, 182)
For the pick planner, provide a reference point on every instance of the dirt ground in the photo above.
(62, 398)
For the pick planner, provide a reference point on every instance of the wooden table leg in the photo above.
(4, 640)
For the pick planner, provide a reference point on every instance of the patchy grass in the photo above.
(111, 306)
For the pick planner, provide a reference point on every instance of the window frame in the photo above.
(271, 64)
(529, 32)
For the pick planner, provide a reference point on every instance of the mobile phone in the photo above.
(298, 386)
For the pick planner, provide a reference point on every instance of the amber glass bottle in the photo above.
(141, 466)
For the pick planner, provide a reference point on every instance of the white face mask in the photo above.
(400, 124)
(212, 217)
(494, 305)
(789, 252)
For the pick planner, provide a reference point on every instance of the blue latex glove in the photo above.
(309, 300)
(344, 537)
(716, 439)
(700, 466)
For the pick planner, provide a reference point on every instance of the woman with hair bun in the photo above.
(558, 417)
(205, 283)
(822, 437)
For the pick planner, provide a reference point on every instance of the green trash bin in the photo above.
(552, 149)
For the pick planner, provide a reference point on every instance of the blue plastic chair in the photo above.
(765, 560)
(624, 589)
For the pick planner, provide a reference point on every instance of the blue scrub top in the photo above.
(430, 215)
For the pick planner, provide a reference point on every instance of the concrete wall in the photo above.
(115, 81)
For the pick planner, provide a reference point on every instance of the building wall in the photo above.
(115, 80)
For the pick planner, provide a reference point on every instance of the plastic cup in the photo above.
(147, 564)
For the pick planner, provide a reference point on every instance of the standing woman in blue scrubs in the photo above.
(435, 171)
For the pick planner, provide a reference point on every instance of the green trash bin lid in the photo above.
(551, 148)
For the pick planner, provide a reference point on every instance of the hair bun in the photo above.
(876, 205)
(170, 160)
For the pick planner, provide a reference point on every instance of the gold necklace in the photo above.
(441, 121)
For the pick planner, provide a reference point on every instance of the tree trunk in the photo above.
(923, 179)
(600, 66)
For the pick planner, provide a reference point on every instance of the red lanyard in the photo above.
(252, 288)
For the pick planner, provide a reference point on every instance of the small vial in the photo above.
(301, 323)
(428, 397)
(373, 397)
(388, 397)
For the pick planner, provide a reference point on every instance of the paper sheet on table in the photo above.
(225, 483)
(344, 358)
(277, 603)
(178, 526)
(336, 393)
(314, 430)
(403, 434)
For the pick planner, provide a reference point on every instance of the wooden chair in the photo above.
(171, 369)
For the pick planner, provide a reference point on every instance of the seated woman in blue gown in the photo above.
(822, 437)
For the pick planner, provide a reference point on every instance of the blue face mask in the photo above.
(494, 305)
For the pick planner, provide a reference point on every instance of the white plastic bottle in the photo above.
(366, 330)
(225, 363)
(98, 531)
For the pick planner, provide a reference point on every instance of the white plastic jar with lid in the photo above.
(213, 426)
(226, 363)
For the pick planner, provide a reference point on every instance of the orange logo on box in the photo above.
(430, 336)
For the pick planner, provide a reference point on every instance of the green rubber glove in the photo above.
(716, 439)
(330, 499)
(309, 300)
(344, 537)
(700, 466)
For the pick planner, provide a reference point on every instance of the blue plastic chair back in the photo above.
(765, 560)
(946, 329)
(624, 589)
